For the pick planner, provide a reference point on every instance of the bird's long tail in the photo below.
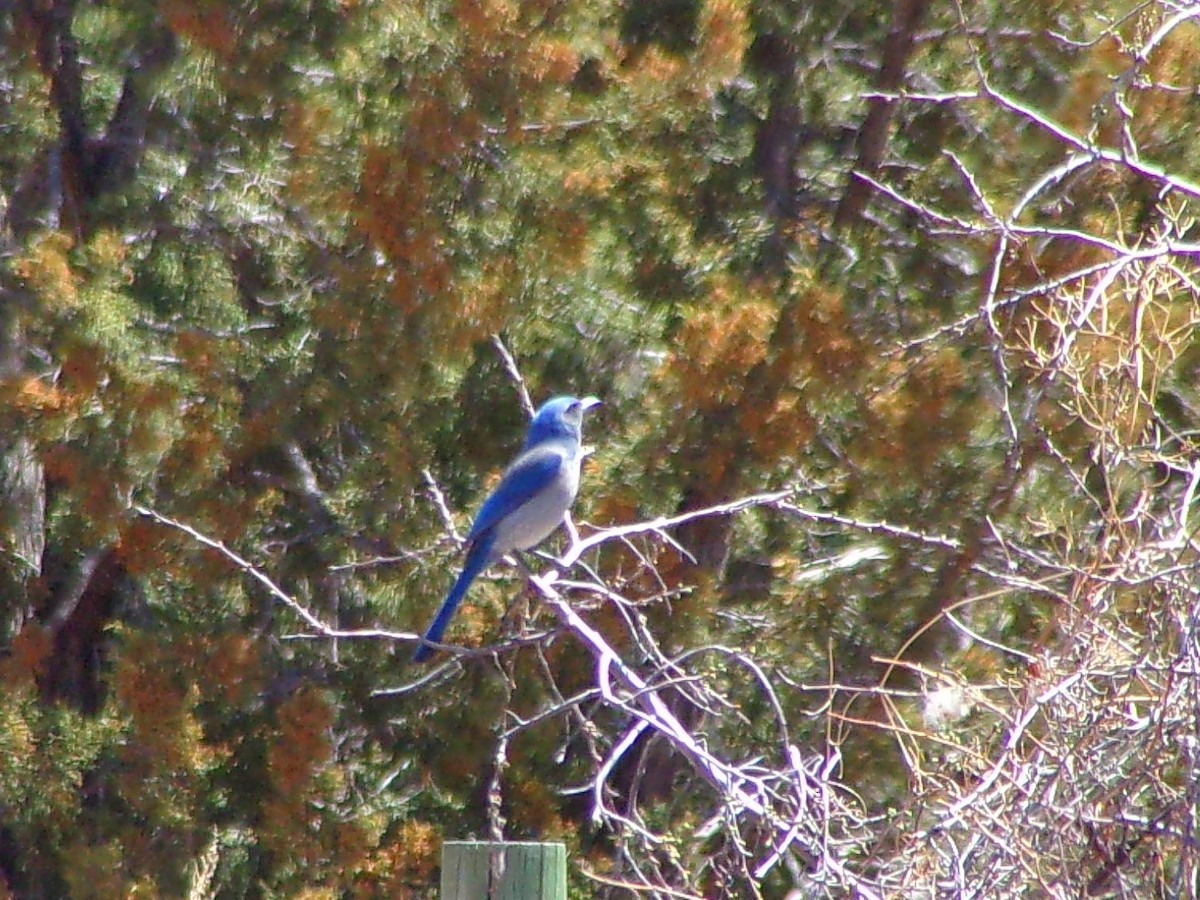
(477, 559)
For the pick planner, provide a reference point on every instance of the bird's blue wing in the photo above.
(529, 473)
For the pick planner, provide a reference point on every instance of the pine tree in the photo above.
(892, 309)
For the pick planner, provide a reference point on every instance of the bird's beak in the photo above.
(588, 402)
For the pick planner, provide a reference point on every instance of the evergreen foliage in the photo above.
(906, 294)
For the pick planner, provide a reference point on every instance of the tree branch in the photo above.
(872, 137)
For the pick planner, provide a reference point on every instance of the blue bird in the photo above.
(530, 501)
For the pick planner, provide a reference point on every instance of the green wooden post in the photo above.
(513, 870)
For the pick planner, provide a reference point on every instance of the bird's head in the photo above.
(559, 417)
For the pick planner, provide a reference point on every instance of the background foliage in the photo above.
(919, 280)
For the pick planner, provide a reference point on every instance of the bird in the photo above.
(533, 496)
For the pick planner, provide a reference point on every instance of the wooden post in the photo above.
(481, 870)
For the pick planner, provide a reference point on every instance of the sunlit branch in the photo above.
(307, 616)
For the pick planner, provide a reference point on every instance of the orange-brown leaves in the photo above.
(568, 235)
(382, 207)
(535, 805)
(96, 870)
(141, 548)
(1091, 84)
(165, 757)
(148, 687)
(31, 395)
(1166, 110)
(395, 210)
(47, 270)
(63, 462)
(302, 745)
(83, 368)
(205, 23)
(405, 858)
(487, 21)
(485, 300)
(435, 131)
(27, 656)
(298, 751)
(739, 366)
(196, 351)
(550, 60)
(621, 503)
(198, 453)
(309, 126)
(717, 347)
(656, 75)
(1173, 61)
(591, 180)
(651, 70)
(724, 36)
(831, 348)
(504, 52)
(934, 384)
(232, 668)
(913, 419)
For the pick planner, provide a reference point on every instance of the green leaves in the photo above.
(262, 293)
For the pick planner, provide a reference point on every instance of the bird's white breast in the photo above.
(535, 519)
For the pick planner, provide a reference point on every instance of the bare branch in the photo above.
(510, 366)
(308, 617)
